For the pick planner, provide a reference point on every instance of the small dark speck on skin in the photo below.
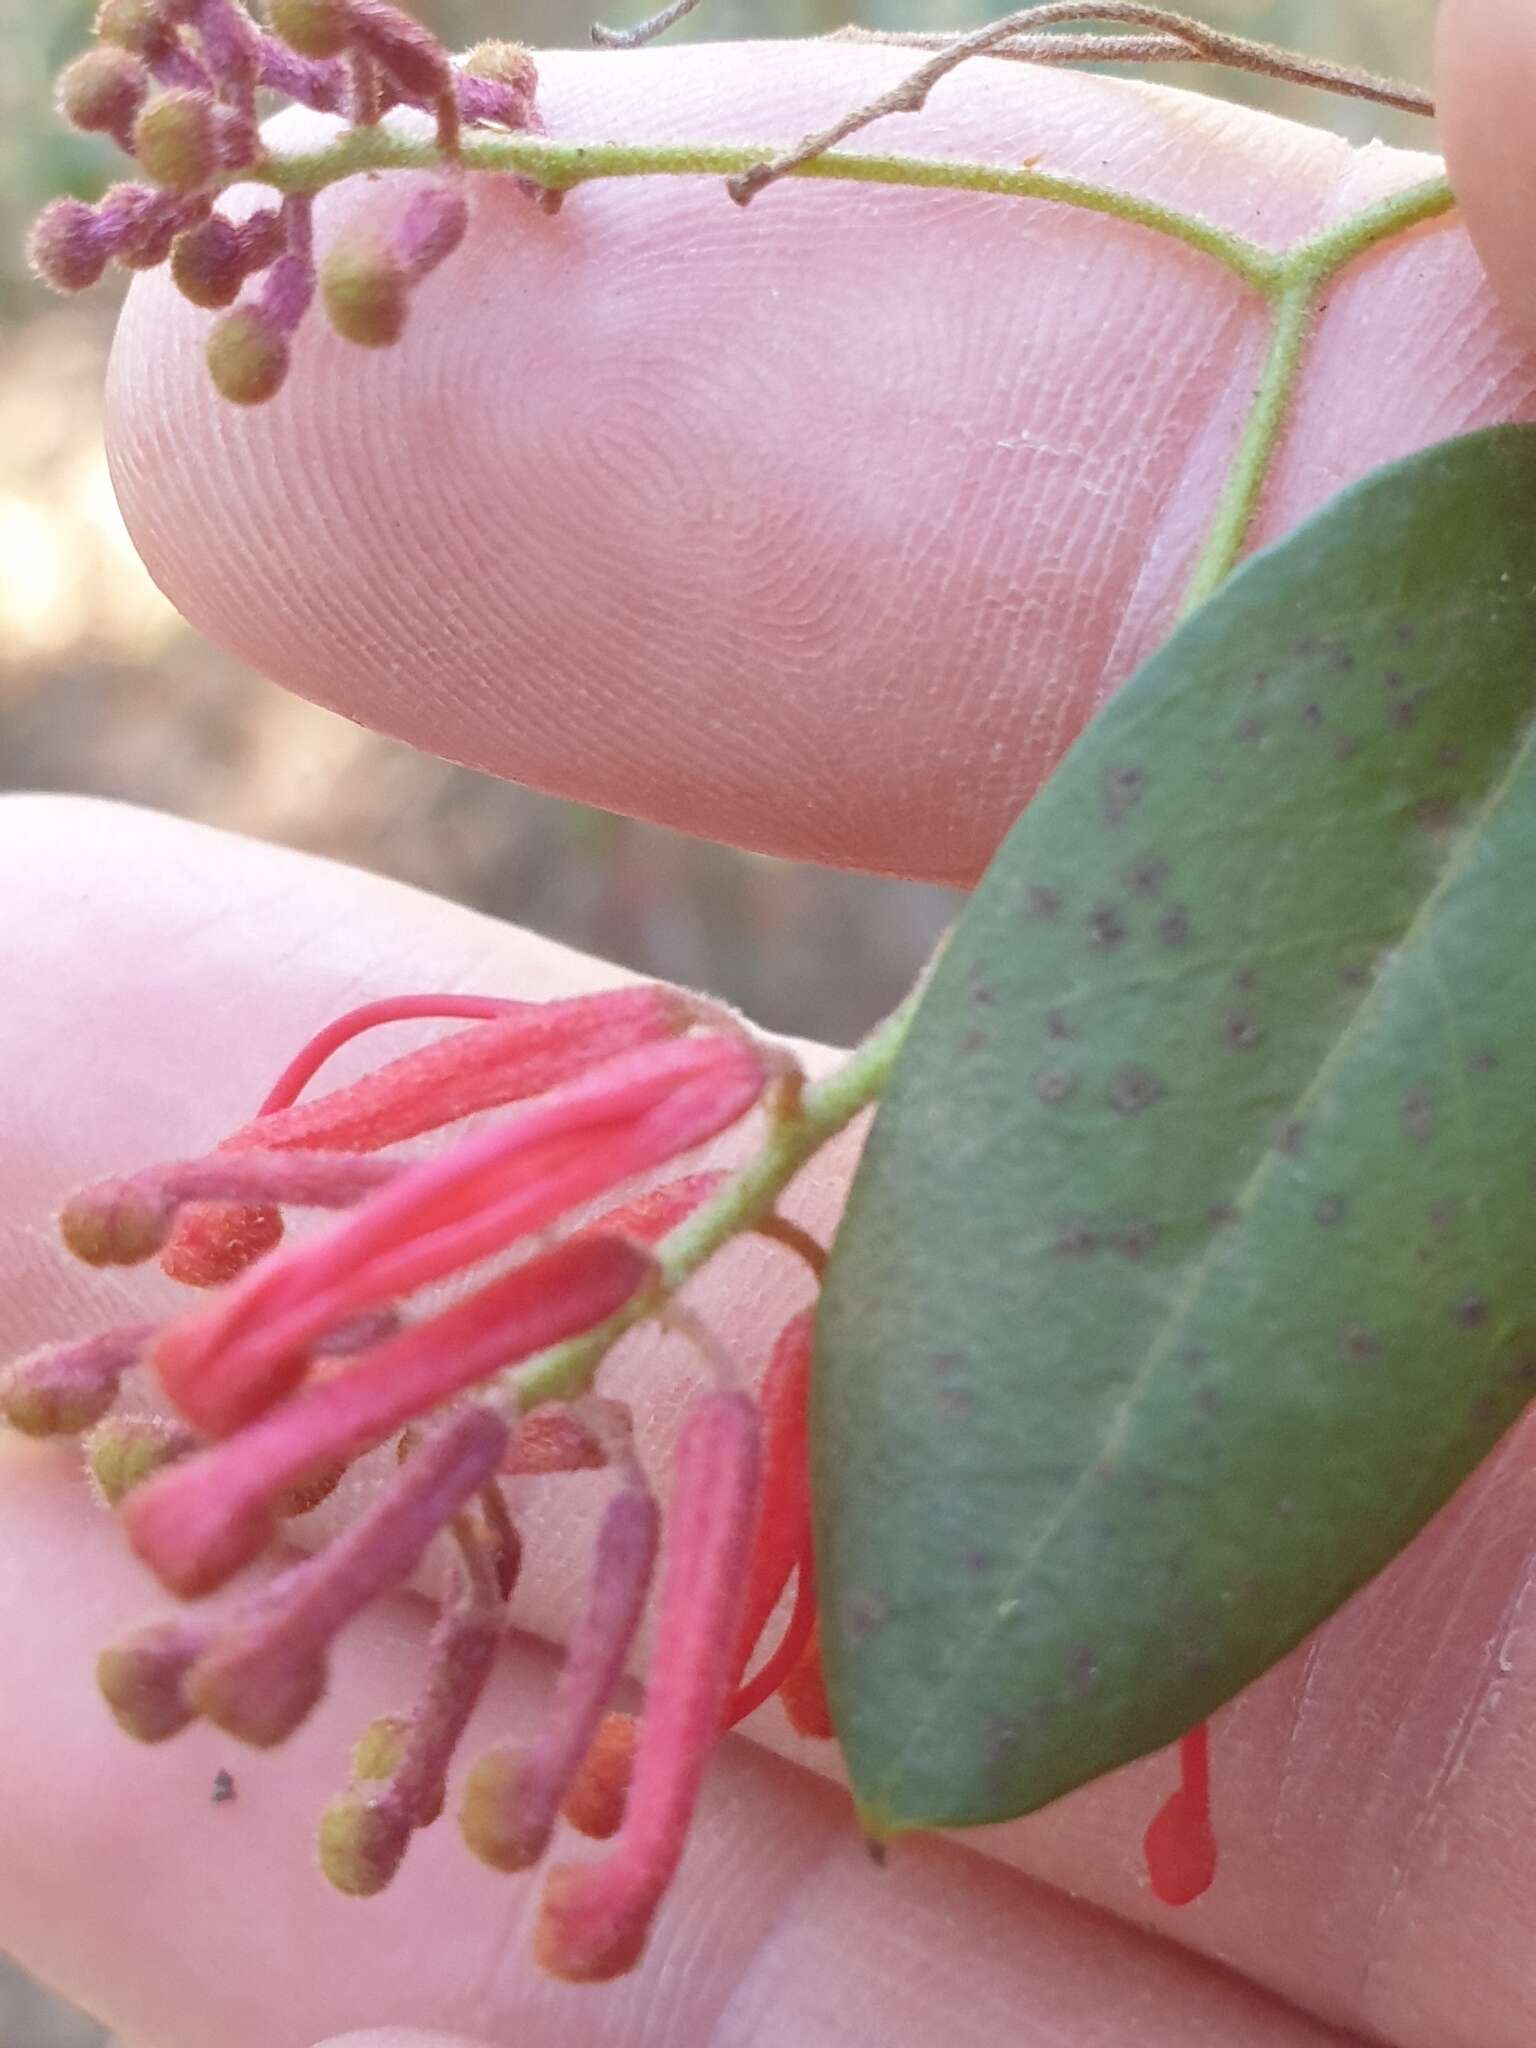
(1312, 715)
(223, 1788)
(1246, 980)
(1133, 1089)
(1395, 679)
(1331, 1209)
(1403, 634)
(1222, 1213)
(1471, 1312)
(1106, 927)
(1290, 1138)
(975, 1562)
(1054, 1085)
(1059, 1025)
(982, 992)
(1173, 926)
(1418, 1116)
(1356, 975)
(1361, 1345)
(1261, 681)
(1250, 729)
(1040, 902)
(1242, 1031)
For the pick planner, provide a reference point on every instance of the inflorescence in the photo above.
(178, 85)
(306, 1355)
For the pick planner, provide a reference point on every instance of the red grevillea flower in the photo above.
(304, 1356)
(309, 1355)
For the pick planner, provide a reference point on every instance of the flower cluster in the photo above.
(177, 84)
(307, 1354)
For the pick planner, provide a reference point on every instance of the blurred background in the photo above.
(103, 689)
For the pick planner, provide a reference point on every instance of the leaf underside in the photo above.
(1192, 1261)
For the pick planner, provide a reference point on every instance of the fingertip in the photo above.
(1486, 95)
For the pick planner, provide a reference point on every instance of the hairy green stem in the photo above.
(1303, 275)
(746, 1200)
(561, 165)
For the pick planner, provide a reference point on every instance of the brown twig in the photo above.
(644, 32)
(1016, 35)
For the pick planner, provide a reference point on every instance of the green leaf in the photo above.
(1192, 1261)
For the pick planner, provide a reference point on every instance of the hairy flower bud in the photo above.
(208, 265)
(508, 64)
(135, 25)
(102, 93)
(141, 1679)
(361, 1843)
(66, 249)
(247, 356)
(314, 28)
(176, 140)
(125, 1450)
(66, 1388)
(115, 1223)
(365, 290)
(599, 1792)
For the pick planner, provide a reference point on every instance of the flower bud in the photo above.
(102, 93)
(125, 1450)
(247, 357)
(508, 64)
(595, 1803)
(134, 25)
(66, 1388)
(211, 262)
(314, 28)
(361, 1844)
(115, 1223)
(176, 140)
(380, 1749)
(365, 291)
(141, 1679)
(66, 249)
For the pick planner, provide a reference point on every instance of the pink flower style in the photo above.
(175, 84)
(307, 1356)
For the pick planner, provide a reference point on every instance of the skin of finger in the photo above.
(181, 1920)
(823, 527)
(1485, 83)
(1373, 1793)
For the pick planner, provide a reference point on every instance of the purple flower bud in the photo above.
(434, 225)
(102, 93)
(248, 356)
(498, 82)
(66, 248)
(66, 1388)
(176, 140)
(139, 26)
(314, 28)
(141, 1678)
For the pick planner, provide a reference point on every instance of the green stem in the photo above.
(1239, 502)
(1304, 273)
(745, 1200)
(561, 165)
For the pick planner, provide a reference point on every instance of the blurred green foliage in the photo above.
(40, 157)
